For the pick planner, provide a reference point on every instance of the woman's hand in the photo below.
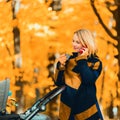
(62, 59)
(84, 51)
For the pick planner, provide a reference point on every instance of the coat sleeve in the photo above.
(59, 75)
(88, 74)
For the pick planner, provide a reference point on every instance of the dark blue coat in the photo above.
(78, 100)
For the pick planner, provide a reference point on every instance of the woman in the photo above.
(79, 73)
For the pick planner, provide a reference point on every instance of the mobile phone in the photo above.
(82, 50)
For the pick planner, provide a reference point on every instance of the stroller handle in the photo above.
(40, 105)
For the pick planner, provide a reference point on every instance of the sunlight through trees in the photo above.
(45, 32)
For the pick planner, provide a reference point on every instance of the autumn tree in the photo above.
(113, 30)
(42, 29)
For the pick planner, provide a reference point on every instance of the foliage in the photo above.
(44, 32)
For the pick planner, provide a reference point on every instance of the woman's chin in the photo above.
(76, 50)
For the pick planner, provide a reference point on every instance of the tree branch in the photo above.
(101, 22)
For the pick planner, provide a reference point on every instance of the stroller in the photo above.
(31, 113)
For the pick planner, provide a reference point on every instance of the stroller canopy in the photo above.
(4, 89)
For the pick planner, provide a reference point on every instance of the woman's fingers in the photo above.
(62, 59)
(84, 51)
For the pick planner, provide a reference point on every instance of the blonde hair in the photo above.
(87, 39)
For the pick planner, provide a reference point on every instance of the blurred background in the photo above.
(34, 32)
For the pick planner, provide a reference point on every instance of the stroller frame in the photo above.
(38, 106)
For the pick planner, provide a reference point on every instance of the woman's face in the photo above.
(76, 43)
